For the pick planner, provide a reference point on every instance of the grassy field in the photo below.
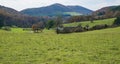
(96, 22)
(93, 47)
(73, 13)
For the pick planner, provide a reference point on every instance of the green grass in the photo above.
(17, 30)
(96, 22)
(92, 47)
(73, 13)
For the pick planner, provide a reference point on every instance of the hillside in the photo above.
(56, 9)
(96, 22)
(108, 12)
(12, 17)
(93, 47)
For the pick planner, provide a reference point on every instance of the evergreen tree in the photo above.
(50, 24)
(117, 21)
(1, 22)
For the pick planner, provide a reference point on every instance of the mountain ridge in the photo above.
(55, 9)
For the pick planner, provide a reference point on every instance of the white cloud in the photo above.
(91, 4)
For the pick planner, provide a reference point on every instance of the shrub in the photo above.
(79, 25)
(65, 30)
(97, 27)
(50, 24)
(78, 29)
(86, 27)
(6, 28)
(13, 26)
(117, 21)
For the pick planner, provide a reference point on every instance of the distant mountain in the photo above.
(80, 9)
(110, 11)
(13, 17)
(57, 9)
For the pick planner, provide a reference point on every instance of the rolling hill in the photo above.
(12, 17)
(108, 12)
(96, 22)
(57, 9)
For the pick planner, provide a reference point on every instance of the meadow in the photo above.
(92, 47)
(96, 22)
(72, 13)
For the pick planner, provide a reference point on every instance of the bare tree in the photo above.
(59, 21)
(39, 26)
(92, 18)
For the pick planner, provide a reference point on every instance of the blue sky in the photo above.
(90, 4)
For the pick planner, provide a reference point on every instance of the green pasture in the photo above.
(92, 47)
(96, 22)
